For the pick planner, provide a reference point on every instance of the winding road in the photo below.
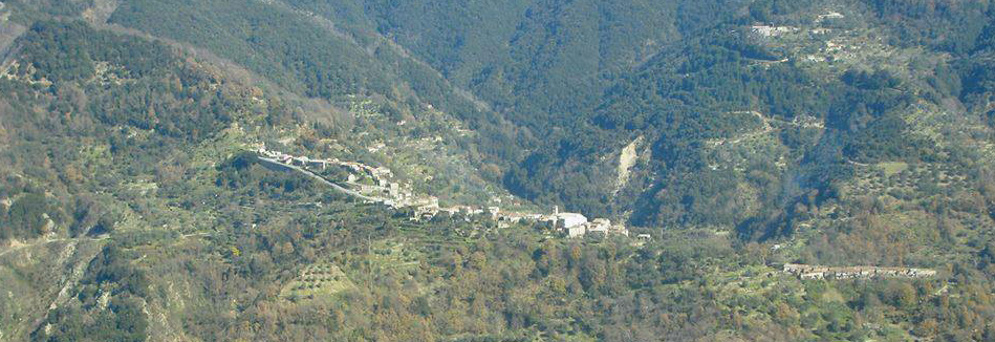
(320, 179)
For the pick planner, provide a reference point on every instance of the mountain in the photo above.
(192, 170)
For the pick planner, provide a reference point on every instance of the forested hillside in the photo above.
(583, 79)
(731, 137)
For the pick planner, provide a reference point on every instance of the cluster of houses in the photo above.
(771, 31)
(576, 225)
(572, 225)
(855, 272)
(381, 189)
(398, 196)
(379, 174)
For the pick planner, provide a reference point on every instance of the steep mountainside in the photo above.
(584, 79)
(743, 143)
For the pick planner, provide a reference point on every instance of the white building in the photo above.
(494, 211)
(576, 231)
(570, 219)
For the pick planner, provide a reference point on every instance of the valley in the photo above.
(589, 170)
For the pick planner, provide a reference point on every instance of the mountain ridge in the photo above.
(733, 138)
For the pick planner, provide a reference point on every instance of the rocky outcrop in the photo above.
(626, 160)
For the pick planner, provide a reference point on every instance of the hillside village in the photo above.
(855, 272)
(376, 185)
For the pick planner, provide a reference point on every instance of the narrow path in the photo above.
(851, 162)
(47, 241)
(185, 236)
(75, 240)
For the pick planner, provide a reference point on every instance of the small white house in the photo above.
(600, 225)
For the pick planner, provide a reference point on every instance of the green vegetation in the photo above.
(764, 132)
(26, 218)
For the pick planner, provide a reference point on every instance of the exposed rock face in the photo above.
(626, 160)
